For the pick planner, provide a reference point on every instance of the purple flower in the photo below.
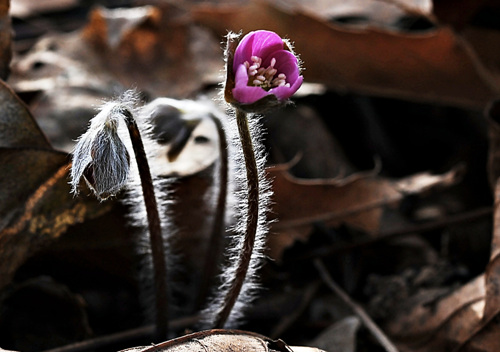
(263, 66)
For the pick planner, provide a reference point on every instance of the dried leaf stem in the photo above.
(251, 219)
(360, 312)
(154, 226)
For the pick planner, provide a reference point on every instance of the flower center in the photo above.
(263, 77)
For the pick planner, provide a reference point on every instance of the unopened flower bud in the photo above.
(100, 157)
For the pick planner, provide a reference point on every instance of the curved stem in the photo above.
(213, 252)
(251, 218)
(154, 225)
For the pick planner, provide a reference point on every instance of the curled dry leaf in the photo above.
(433, 66)
(222, 340)
(358, 200)
(441, 326)
(35, 203)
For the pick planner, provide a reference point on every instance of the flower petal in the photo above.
(258, 43)
(286, 63)
(243, 93)
(283, 92)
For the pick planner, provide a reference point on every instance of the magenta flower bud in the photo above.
(262, 70)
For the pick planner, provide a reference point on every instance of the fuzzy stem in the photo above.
(154, 225)
(213, 252)
(251, 218)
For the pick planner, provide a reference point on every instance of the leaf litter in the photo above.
(331, 199)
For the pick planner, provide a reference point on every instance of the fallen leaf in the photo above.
(17, 126)
(222, 340)
(35, 203)
(357, 200)
(340, 337)
(443, 325)
(155, 48)
(434, 66)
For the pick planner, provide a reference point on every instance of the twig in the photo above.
(360, 312)
(155, 232)
(122, 336)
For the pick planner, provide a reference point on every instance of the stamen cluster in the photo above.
(264, 77)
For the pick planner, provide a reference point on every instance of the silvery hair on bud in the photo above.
(100, 153)
(232, 252)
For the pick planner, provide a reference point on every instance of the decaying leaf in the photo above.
(433, 66)
(155, 48)
(35, 203)
(358, 200)
(223, 340)
(18, 128)
(465, 319)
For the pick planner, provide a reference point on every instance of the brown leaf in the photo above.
(35, 203)
(358, 200)
(437, 66)
(466, 319)
(443, 325)
(154, 47)
(222, 340)
(17, 126)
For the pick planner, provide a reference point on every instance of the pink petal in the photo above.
(243, 93)
(286, 63)
(257, 43)
(283, 92)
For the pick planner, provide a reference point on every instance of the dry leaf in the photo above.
(156, 48)
(222, 340)
(357, 200)
(443, 325)
(35, 203)
(434, 66)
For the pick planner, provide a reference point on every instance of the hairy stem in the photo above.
(251, 218)
(154, 226)
(213, 252)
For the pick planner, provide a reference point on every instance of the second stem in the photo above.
(155, 232)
